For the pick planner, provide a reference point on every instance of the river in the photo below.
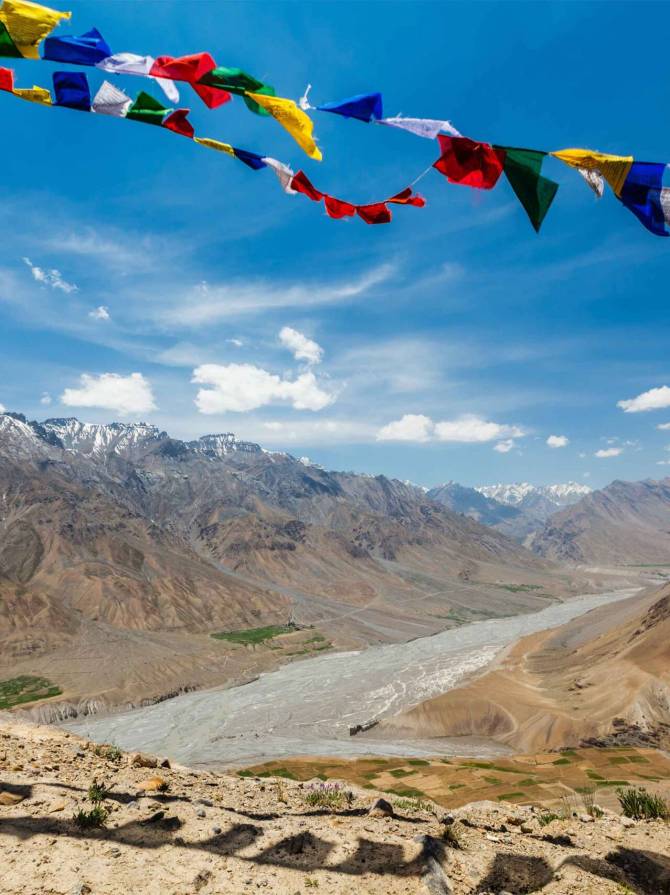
(307, 707)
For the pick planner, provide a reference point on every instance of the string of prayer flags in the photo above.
(109, 100)
(469, 163)
(614, 168)
(132, 64)
(364, 107)
(31, 94)
(375, 213)
(88, 49)
(191, 69)
(522, 169)
(25, 27)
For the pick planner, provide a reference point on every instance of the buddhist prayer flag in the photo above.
(27, 24)
(641, 194)
(71, 90)
(87, 49)
(536, 193)
(293, 119)
(109, 100)
(377, 213)
(337, 208)
(594, 181)
(147, 109)
(132, 64)
(283, 172)
(364, 107)
(250, 159)
(179, 123)
(215, 144)
(421, 127)
(614, 168)
(233, 80)
(7, 45)
(182, 68)
(469, 163)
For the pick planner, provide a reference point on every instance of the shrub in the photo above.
(96, 817)
(639, 804)
(545, 819)
(451, 837)
(329, 795)
(411, 805)
(97, 792)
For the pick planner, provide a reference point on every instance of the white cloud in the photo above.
(238, 343)
(125, 394)
(301, 347)
(411, 427)
(206, 304)
(52, 278)
(467, 429)
(558, 441)
(312, 431)
(472, 429)
(243, 387)
(663, 427)
(504, 447)
(654, 399)
(100, 313)
(45, 399)
(608, 452)
(663, 462)
(2, 408)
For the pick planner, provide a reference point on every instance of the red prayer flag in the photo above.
(183, 68)
(7, 79)
(179, 123)
(337, 208)
(377, 213)
(300, 182)
(469, 163)
(407, 197)
(212, 97)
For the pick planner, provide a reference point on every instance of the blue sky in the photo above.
(457, 315)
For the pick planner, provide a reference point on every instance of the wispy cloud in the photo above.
(466, 429)
(50, 277)
(604, 453)
(100, 313)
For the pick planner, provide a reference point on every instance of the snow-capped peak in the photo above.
(518, 493)
(221, 445)
(97, 439)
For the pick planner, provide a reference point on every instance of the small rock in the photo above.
(10, 798)
(114, 853)
(586, 818)
(57, 806)
(165, 763)
(201, 812)
(381, 808)
(80, 889)
(492, 838)
(154, 818)
(447, 820)
(627, 821)
(206, 802)
(216, 830)
(202, 879)
(140, 760)
(153, 784)
(526, 828)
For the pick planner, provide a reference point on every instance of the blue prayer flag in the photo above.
(71, 89)
(250, 159)
(364, 107)
(87, 49)
(641, 194)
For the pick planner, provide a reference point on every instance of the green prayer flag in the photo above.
(234, 80)
(147, 109)
(536, 193)
(7, 45)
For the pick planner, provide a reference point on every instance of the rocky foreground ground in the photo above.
(175, 831)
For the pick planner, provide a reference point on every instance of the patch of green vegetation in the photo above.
(316, 638)
(568, 752)
(493, 781)
(96, 817)
(614, 783)
(547, 818)
(562, 761)
(400, 772)
(253, 635)
(370, 775)
(246, 774)
(411, 805)
(486, 765)
(320, 777)
(592, 775)
(529, 781)
(418, 762)
(368, 786)
(508, 796)
(519, 588)
(408, 793)
(330, 796)
(647, 777)
(275, 772)
(456, 785)
(26, 688)
(97, 792)
(638, 759)
(639, 804)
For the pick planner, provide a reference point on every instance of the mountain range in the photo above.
(120, 542)
(517, 509)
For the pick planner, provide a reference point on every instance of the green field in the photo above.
(26, 688)
(253, 635)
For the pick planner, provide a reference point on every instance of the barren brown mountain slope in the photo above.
(122, 550)
(624, 523)
(169, 829)
(605, 675)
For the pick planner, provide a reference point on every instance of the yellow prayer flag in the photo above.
(34, 95)
(614, 168)
(29, 23)
(215, 144)
(299, 125)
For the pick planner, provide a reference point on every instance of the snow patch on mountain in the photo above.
(520, 493)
